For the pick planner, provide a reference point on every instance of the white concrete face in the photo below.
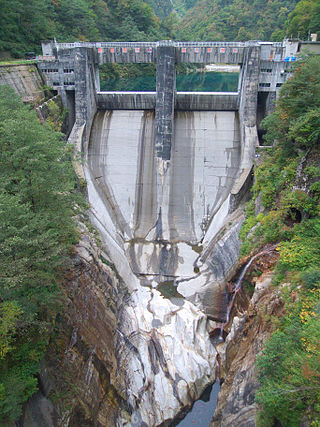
(121, 162)
(206, 155)
(156, 212)
(201, 173)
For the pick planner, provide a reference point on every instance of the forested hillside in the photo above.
(286, 196)
(24, 23)
(37, 203)
(237, 20)
(163, 8)
(303, 20)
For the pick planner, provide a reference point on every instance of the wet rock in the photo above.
(236, 406)
(39, 412)
(115, 356)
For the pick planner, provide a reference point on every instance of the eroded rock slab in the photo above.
(116, 358)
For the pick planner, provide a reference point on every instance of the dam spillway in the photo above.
(159, 220)
(205, 159)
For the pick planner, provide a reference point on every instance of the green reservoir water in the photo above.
(210, 81)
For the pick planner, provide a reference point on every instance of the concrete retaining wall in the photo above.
(184, 101)
(25, 80)
(126, 100)
(207, 101)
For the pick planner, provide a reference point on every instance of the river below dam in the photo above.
(203, 409)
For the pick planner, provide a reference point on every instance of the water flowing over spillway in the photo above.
(159, 222)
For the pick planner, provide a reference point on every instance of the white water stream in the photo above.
(238, 284)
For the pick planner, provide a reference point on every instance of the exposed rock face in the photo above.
(39, 412)
(81, 362)
(238, 354)
(117, 359)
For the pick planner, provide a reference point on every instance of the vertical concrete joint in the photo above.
(85, 89)
(248, 104)
(248, 120)
(165, 100)
(249, 86)
(81, 83)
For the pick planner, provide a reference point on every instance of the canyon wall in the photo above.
(253, 322)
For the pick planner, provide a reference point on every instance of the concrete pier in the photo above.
(166, 87)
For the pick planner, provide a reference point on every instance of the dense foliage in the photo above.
(289, 365)
(163, 8)
(303, 20)
(36, 232)
(24, 23)
(287, 188)
(238, 20)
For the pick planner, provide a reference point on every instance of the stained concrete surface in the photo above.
(153, 215)
(25, 80)
(160, 212)
(205, 158)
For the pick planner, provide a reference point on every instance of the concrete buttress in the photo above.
(166, 80)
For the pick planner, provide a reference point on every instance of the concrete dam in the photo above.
(161, 236)
(166, 174)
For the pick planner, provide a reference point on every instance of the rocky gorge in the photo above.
(84, 380)
(134, 345)
(128, 349)
(252, 323)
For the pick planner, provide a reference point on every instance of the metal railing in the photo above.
(153, 44)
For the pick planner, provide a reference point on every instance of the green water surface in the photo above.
(192, 82)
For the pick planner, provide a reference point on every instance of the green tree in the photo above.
(304, 19)
(295, 123)
(287, 185)
(235, 19)
(37, 197)
(24, 23)
(289, 369)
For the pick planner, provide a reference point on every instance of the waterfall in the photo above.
(238, 285)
